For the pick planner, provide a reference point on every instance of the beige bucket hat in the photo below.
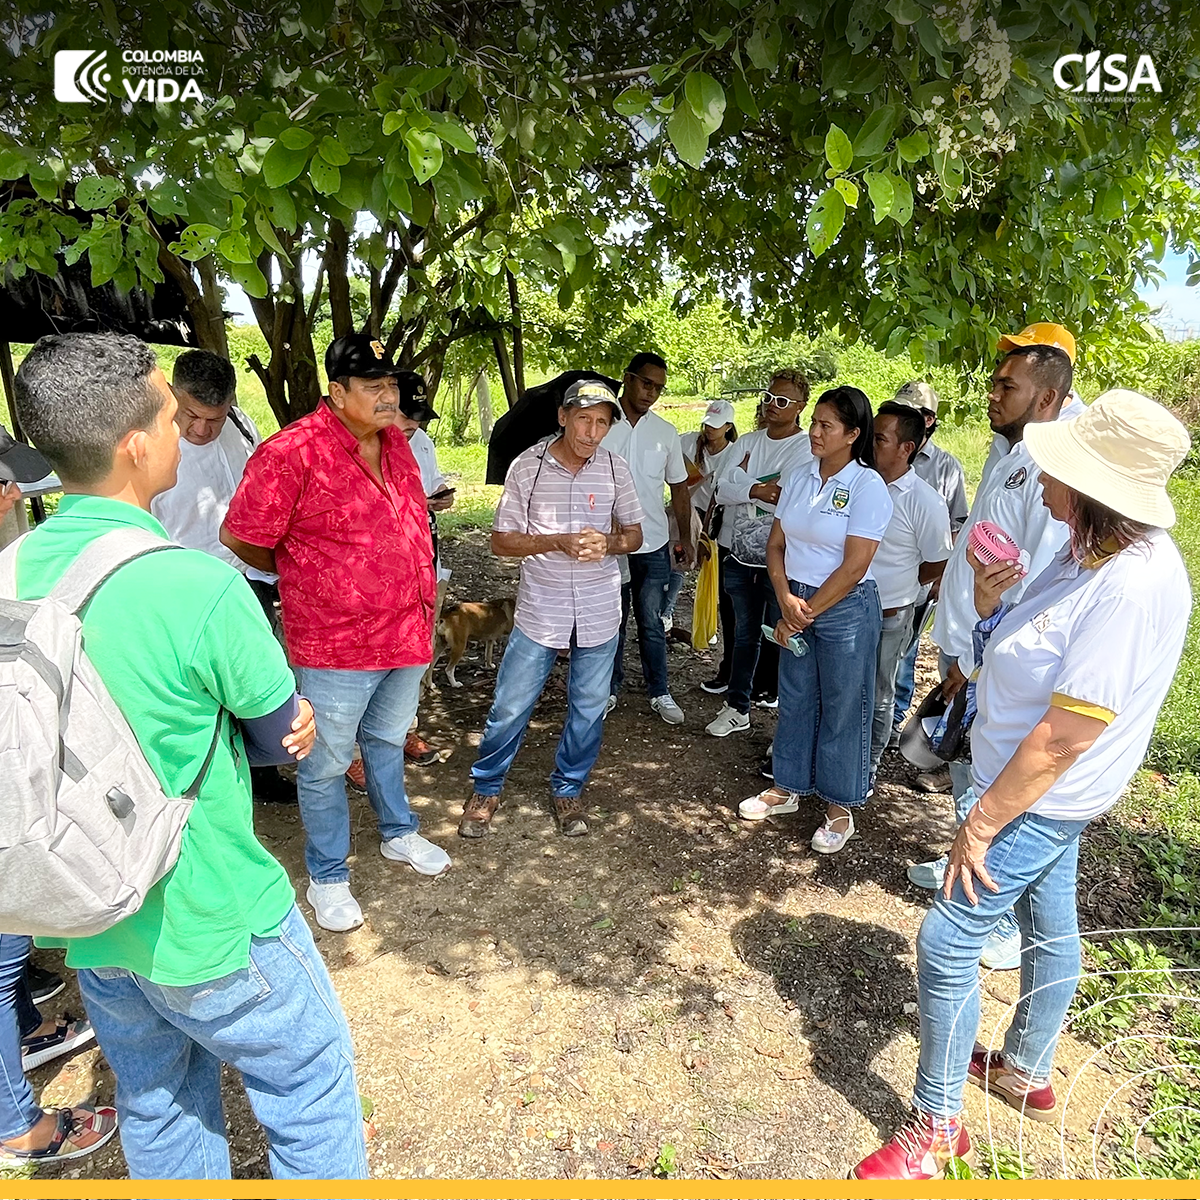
(1120, 452)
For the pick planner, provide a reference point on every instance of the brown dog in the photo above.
(485, 621)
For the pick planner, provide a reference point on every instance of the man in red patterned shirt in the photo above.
(334, 504)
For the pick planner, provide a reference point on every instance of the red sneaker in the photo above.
(418, 751)
(919, 1150)
(357, 775)
(1033, 1100)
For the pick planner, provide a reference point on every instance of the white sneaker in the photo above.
(727, 721)
(929, 874)
(666, 708)
(333, 905)
(827, 840)
(420, 853)
(609, 705)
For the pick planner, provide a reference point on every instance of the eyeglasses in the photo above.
(769, 398)
(655, 389)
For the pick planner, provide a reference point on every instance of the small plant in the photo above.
(527, 1098)
(1118, 987)
(665, 1165)
(995, 1162)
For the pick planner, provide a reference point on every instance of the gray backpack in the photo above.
(85, 828)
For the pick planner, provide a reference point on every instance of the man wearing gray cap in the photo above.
(569, 507)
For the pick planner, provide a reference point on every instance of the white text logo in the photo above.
(153, 76)
(80, 76)
(1111, 67)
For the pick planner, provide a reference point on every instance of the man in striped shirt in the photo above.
(569, 507)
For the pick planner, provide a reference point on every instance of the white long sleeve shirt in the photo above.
(1009, 495)
(756, 457)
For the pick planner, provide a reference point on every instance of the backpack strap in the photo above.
(101, 559)
(240, 426)
(8, 568)
(194, 790)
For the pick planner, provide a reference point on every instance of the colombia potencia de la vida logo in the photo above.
(153, 76)
(1096, 72)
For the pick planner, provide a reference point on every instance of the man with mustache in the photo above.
(334, 505)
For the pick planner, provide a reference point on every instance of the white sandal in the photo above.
(827, 840)
(758, 808)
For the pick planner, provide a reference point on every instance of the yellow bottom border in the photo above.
(598, 1189)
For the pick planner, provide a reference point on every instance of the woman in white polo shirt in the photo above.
(1072, 678)
(831, 516)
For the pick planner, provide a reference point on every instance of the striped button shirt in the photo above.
(558, 594)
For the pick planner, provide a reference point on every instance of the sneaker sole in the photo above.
(30, 1061)
(735, 729)
(409, 862)
(1016, 1103)
(714, 691)
(42, 997)
(330, 928)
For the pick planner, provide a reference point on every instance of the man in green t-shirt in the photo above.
(217, 965)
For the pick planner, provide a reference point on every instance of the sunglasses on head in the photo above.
(769, 398)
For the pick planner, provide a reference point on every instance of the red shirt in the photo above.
(355, 559)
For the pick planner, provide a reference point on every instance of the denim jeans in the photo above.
(893, 637)
(1034, 860)
(826, 701)
(674, 587)
(753, 598)
(277, 1021)
(906, 677)
(646, 595)
(376, 708)
(18, 1019)
(725, 612)
(523, 673)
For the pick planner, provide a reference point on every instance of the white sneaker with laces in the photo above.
(727, 721)
(420, 853)
(666, 708)
(828, 840)
(334, 907)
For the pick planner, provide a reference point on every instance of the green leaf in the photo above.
(633, 101)
(826, 219)
(1110, 204)
(687, 135)
(250, 278)
(392, 122)
(706, 98)
(881, 191)
(234, 247)
(902, 200)
(398, 193)
(905, 12)
(914, 147)
(282, 209)
(848, 191)
(226, 174)
(266, 231)
(282, 164)
(839, 154)
(296, 137)
(97, 191)
(424, 153)
(745, 97)
(876, 132)
(325, 178)
(196, 241)
(453, 134)
(12, 164)
(333, 152)
(763, 45)
(950, 171)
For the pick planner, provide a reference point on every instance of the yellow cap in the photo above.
(1043, 333)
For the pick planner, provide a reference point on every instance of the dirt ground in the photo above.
(679, 991)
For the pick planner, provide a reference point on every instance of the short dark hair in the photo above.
(910, 424)
(854, 411)
(79, 394)
(207, 376)
(647, 358)
(1049, 365)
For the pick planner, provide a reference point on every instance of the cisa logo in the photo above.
(154, 76)
(1112, 67)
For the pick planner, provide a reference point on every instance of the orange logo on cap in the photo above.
(378, 348)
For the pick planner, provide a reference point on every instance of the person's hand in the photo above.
(954, 682)
(966, 861)
(796, 615)
(992, 580)
(593, 545)
(687, 556)
(441, 503)
(768, 493)
(9, 495)
(304, 732)
(703, 552)
(935, 589)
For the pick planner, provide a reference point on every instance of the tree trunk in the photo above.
(210, 319)
(518, 333)
(337, 254)
(506, 371)
(483, 398)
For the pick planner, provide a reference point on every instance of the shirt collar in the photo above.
(80, 505)
(343, 435)
(845, 475)
(904, 483)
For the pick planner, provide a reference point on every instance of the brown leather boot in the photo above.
(569, 813)
(477, 815)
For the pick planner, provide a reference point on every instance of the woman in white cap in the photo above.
(1070, 685)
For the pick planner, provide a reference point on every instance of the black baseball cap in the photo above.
(414, 402)
(20, 463)
(359, 356)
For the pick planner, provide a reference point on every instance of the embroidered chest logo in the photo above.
(841, 497)
(1017, 478)
(1042, 621)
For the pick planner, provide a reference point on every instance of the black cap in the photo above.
(359, 356)
(20, 463)
(413, 401)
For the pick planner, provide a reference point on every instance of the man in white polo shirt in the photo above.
(912, 554)
(650, 445)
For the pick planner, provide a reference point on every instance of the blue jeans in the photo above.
(674, 587)
(1034, 860)
(753, 600)
(827, 699)
(18, 1018)
(906, 677)
(646, 595)
(375, 708)
(893, 637)
(277, 1021)
(523, 673)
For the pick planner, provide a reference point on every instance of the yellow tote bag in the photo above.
(704, 610)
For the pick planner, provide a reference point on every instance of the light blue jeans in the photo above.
(523, 673)
(277, 1021)
(18, 1019)
(374, 708)
(1034, 860)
